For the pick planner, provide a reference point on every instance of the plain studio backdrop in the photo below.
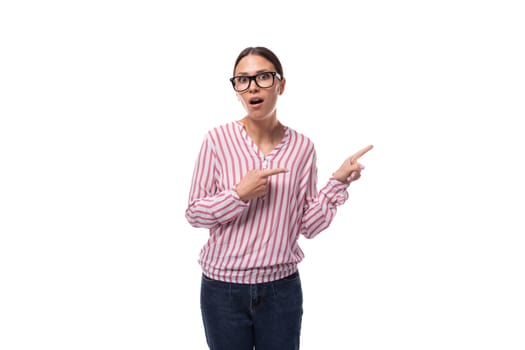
(103, 107)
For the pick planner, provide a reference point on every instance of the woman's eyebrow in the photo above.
(256, 72)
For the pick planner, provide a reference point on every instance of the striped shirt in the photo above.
(257, 241)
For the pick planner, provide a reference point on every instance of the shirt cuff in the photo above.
(235, 195)
(335, 192)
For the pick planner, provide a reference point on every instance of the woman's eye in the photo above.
(242, 80)
(264, 76)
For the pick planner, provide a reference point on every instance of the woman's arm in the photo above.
(320, 209)
(207, 206)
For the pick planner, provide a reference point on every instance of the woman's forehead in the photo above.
(252, 64)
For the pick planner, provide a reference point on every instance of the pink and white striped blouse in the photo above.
(257, 241)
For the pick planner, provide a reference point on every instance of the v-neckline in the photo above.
(254, 146)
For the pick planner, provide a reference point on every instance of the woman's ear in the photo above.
(280, 88)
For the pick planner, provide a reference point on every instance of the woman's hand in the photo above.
(350, 170)
(255, 183)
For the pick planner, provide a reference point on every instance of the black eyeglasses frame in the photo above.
(254, 79)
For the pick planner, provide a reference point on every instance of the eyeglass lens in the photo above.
(263, 80)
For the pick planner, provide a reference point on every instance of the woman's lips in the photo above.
(255, 101)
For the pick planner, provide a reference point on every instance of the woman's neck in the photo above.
(266, 134)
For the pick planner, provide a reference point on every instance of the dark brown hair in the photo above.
(263, 52)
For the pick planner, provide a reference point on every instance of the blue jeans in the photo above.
(241, 316)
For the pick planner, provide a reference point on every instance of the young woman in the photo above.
(255, 188)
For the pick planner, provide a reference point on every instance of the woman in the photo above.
(255, 188)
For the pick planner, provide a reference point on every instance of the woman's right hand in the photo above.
(255, 183)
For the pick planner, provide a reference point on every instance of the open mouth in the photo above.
(256, 101)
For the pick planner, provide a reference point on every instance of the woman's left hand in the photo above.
(350, 170)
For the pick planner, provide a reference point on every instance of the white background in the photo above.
(103, 106)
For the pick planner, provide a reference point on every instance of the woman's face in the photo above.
(259, 103)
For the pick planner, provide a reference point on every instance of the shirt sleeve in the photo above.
(207, 205)
(320, 207)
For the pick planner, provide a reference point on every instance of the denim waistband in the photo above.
(293, 276)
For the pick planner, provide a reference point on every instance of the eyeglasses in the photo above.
(263, 80)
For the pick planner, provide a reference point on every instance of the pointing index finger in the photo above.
(275, 171)
(361, 152)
